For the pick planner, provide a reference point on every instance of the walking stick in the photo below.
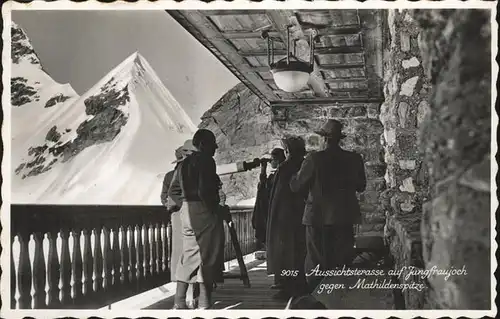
(239, 255)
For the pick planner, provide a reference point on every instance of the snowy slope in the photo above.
(112, 145)
(36, 97)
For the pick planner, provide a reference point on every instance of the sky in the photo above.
(80, 47)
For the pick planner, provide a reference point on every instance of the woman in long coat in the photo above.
(195, 188)
(286, 248)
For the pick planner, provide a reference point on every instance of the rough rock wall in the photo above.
(406, 90)
(242, 125)
(456, 226)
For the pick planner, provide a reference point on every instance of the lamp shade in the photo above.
(292, 75)
(291, 81)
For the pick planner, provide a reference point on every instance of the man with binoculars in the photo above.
(261, 208)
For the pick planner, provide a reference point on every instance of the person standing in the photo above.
(175, 223)
(331, 177)
(195, 188)
(285, 233)
(261, 208)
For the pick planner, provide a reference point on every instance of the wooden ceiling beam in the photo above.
(352, 29)
(322, 67)
(343, 80)
(247, 34)
(317, 51)
(329, 100)
(196, 23)
(342, 66)
(337, 80)
(343, 90)
(329, 31)
(281, 19)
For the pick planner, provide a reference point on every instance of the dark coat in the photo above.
(261, 208)
(332, 178)
(285, 232)
(166, 185)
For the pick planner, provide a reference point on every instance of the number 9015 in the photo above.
(289, 273)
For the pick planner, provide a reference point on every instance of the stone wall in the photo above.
(456, 226)
(406, 91)
(243, 128)
(246, 128)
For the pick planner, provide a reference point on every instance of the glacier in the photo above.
(110, 146)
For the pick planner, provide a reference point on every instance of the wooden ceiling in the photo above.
(348, 54)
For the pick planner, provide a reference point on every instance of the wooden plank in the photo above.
(338, 50)
(371, 37)
(281, 19)
(232, 12)
(246, 34)
(329, 100)
(343, 90)
(340, 80)
(341, 66)
(320, 67)
(202, 29)
(337, 30)
(317, 51)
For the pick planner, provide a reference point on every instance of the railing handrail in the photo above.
(52, 217)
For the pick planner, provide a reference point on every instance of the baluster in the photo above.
(153, 249)
(170, 246)
(14, 266)
(98, 262)
(87, 264)
(116, 258)
(77, 265)
(16, 253)
(164, 249)
(124, 255)
(39, 273)
(108, 259)
(158, 249)
(65, 288)
(24, 273)
(53, 272)
(140, 255)
(132, 254)
(147, 253)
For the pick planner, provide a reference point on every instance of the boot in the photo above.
(180, 295)
(205, 301)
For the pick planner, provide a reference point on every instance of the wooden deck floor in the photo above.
(233, 294)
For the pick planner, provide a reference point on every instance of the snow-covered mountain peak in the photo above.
(21, 47)
(112, 145)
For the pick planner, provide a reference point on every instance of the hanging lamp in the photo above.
(290, 74)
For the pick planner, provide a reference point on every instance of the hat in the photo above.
(184, 151)
(277, 152)
(331, 128)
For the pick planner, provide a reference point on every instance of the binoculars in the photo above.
(255, 163)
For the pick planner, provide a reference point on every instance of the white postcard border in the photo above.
(195, 4)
